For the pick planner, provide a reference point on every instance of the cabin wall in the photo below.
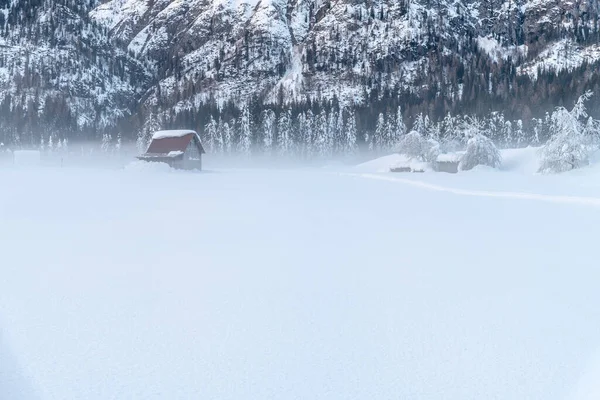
(192, 159)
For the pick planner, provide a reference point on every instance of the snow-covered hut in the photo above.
(447, 162)
(180, 149)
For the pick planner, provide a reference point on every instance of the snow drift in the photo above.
(294, 284)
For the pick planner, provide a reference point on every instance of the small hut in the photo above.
(181, 149)
(447, 163)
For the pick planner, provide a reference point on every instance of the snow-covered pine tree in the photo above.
(210, 133)
(426, 125)
(419, 125)
(448, 125)
(50, 143)
(42, 144)
(219, 140)
(340, 130)
(547, 119)
(299, 130)
(452, 139)
(368, 139)
(119, 143)
(152, 125)
(434, 131)
(381, 140)
(321, 128)
(16, 139)
(350, 134)
(390, 135)
(106, 140)
(400, 126)
(537, 125)
(284, 133)
(228, 137)
(140, 142)
(245, 144)
(568, 147)
(507, 134)
(396, 130)
(495, 127)
(331, 131)
(268, 129)
(519, 135)
(592, 131)
(309, 134)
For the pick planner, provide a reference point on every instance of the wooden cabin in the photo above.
(181, 149)
(447, 163)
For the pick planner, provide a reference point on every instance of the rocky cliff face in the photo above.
(121, 63)
(59, 72)
(282, 51)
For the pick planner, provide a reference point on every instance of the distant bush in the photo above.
(572, 141)
(415, 146)
(480, 151)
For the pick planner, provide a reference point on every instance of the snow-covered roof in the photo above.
(449, 157)
(170, 155)
(173, 143)
(172, 133)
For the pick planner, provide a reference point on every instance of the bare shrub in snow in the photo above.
(572, 140)
(415, 146)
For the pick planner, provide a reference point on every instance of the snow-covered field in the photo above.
(320, 283)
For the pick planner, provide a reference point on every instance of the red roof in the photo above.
(167, 145)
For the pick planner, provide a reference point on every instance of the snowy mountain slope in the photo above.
(290, 50)
(60, 73)
(79, 69)
(563, 55)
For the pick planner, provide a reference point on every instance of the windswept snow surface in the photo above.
(301, 284)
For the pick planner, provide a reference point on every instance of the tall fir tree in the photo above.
(309, 134)
(210, 133)
(381, 140)
(268, 129)
(398, 130)
(284, 133)
(245, 129)
(228, 137)
(219, 139)
(350, 133)
(331, 131)
(419, 125)
(321, 128)
(340, 130)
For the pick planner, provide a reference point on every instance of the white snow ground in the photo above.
(299, 284)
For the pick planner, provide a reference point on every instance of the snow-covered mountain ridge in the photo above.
(103, 62)
(286, 51)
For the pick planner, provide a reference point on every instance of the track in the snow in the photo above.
(577, 200)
